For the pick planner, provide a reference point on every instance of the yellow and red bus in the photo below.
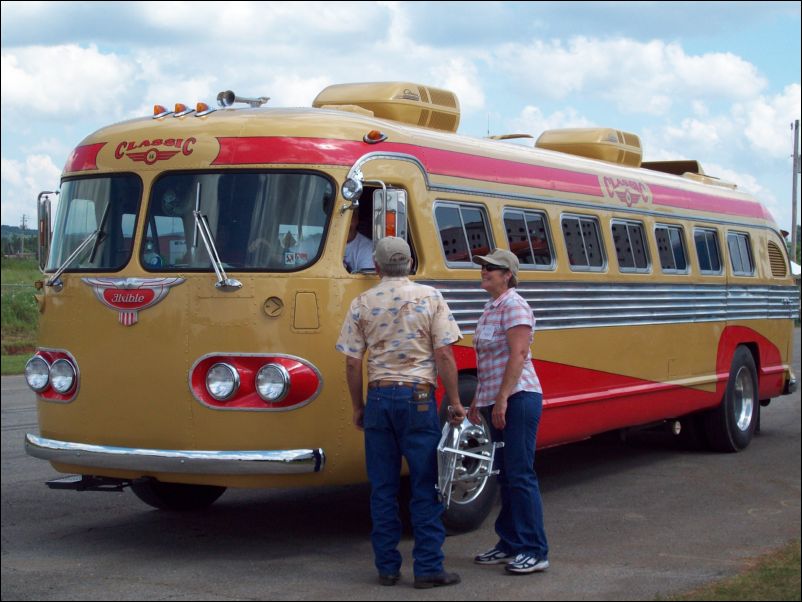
(195, 286)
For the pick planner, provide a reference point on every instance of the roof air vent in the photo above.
(404, 102)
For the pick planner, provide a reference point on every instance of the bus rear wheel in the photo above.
(731, 426)
(176, 496)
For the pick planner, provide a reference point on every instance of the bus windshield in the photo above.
(106, 205)
(272, 221)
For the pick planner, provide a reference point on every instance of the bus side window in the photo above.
(583, 243)
(528, 238)
(740, 254)
(630, 246)
(707, 250)
(671, 248)
(464, 232)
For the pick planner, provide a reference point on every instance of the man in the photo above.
(358, 249)
(408, 329)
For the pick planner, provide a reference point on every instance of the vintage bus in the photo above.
(194, 288)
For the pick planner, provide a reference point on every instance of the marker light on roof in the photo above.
(160, 111)
(181, 109)
(374, 137)
(202, 109)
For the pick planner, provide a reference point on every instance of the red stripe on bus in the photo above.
(288, 150)
(84, 158)
(685, 199)
(254, 150)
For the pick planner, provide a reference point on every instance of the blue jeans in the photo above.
(520, 523)
(396, 426)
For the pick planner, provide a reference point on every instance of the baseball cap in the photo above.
(500, 257)
(392, 250)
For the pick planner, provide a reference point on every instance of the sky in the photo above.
(714, 81)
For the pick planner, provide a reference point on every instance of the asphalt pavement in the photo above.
(626, 521)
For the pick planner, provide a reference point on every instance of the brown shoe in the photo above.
(439, 580)
(389, 579)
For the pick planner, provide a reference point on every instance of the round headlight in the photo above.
(351, 189)
(37, 373)
(222, 381)
(62, 376)
(272, 382)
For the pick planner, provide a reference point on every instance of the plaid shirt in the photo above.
(402, 323)
(492, 350)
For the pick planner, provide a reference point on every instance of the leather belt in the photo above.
(400, 383)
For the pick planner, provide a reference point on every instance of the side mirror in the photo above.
(43, 220)
(389, 213)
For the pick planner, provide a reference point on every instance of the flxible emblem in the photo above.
(129, 296)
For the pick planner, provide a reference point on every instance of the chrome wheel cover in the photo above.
(473, 478)
(743, 399)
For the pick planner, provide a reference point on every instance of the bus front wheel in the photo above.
(176, 496)
(731, 426)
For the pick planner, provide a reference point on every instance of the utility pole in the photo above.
(22, 236)
(794, 240)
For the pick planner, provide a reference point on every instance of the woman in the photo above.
(511, 400)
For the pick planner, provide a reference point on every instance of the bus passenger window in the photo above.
(671, 248)
(527, 235)
(740, 254)
(707, 251)
(630, 246)
(583, 243)
(463, 232)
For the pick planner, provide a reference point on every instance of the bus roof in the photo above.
(247, 138)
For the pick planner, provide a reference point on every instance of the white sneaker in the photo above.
(493, 556)
(526, 563)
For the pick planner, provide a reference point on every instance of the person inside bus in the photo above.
(510, 398)
(359, 249)
(407, 329)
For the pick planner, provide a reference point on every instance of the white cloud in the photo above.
(64, 80)
(461, 77)
(640, 77)
(22, 183)
(533, 121)
(766, 121)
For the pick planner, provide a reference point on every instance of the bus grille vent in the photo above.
(778, 268)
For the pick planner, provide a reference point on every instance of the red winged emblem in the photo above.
(131, 295)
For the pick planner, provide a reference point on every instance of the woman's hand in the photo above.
(473, 414)
(500, 414)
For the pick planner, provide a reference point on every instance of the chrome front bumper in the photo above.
(247, 462)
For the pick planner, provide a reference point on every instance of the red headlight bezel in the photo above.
(304, 386)
(51, 356)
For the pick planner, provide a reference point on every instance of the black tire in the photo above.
(176, 496)
(471, 500)
(731, 426)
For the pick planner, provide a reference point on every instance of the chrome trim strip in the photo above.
(559, 305)
(219, 462)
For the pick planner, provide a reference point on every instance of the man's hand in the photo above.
(359, 415)
(456, 414)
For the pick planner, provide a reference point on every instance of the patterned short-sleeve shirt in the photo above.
(401, 323)
(492, 349)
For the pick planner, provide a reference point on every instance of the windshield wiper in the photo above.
(223, 281)
(55, 280)
(101, 235)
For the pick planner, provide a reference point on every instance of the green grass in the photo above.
(20, 314)
(14, 364)
(775, 576)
